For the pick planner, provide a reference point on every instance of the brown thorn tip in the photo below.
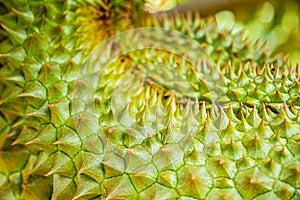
(222, 161)
(80, 171)
(49, 174)
(57, 142)
(252, 181)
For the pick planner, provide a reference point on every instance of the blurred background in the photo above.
(276, 22)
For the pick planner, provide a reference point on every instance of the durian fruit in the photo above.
(137, 137)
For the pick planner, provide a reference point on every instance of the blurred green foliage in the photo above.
(276, 22)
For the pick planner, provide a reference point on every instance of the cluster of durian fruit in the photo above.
(164, 149)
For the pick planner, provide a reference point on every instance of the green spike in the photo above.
(68, 141)
(63, 187)
(143, 177)
(193, 181)
(62, 165)
(250, 179)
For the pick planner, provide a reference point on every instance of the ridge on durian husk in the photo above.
(257, 123)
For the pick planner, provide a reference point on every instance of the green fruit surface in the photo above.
(243, 145)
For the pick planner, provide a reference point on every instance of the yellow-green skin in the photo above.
(44, 155)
